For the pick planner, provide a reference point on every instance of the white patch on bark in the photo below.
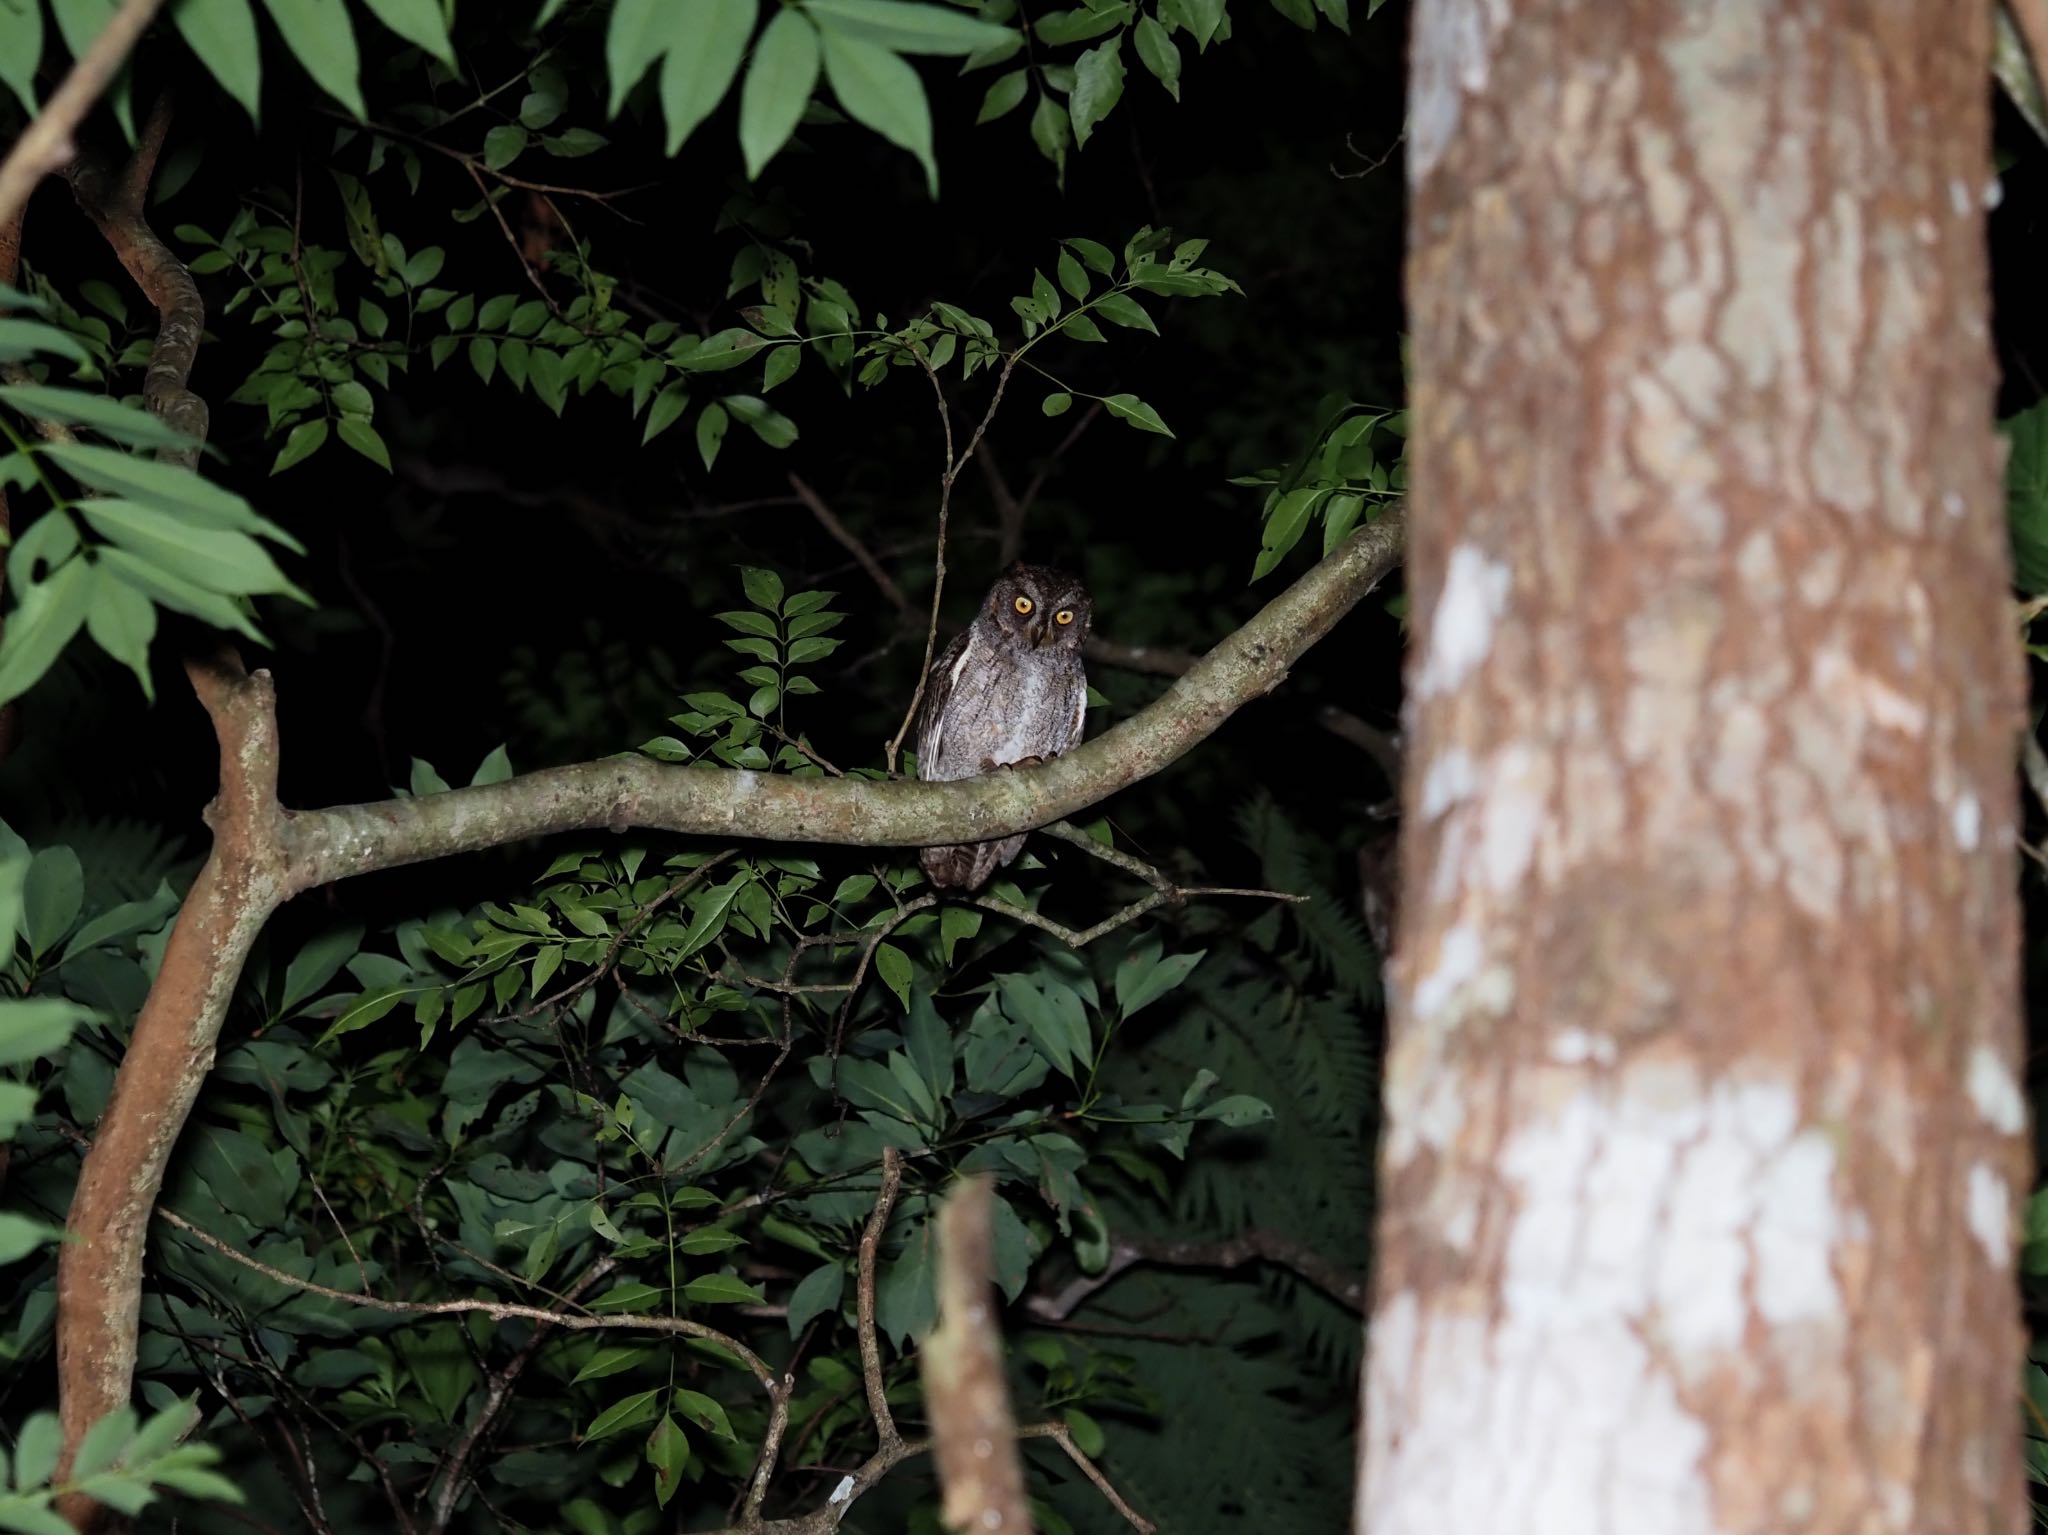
(1457, 962)
(1475, 595)
(1512, 815)
(1991, 1213)
(1451, 778)
(1452, 53)
(1995, 1093)
(1967, 820)
(1649, 1222)
(1574, 1047)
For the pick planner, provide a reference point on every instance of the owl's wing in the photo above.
(937, 694)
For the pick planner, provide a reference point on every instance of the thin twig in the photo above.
(497, 1310)
(847, 540)
(511, 239)
(1255, 1246)
(48, 141)
(1060, 1435)
(1079, 938)
(870, 1344)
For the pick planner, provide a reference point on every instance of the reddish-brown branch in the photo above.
(864, 1301)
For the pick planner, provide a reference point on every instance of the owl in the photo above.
(1010, 689)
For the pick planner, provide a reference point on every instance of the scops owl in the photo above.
(1010, 689)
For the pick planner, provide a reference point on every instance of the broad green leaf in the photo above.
(893, 966)
(1284, 528)
(1051, 132)
(904, 26)
(777, 88)
(37, 1026)
(21, 339)
(636, 37)
(711, 424)
(232, 564)
(1003, 96)
(722, 1290)
(879, 90)
(1239, 1110)
(171, 590)
(302, 444)
(123, 423)
(1057, 403)
(1157, 52)
(419, 22)
(1073, 277)
(1097, 256)
(504, 144)
(362, 436)
(723, 349)
(21, 48)
(763, 587)
(1340, 516)
(45, 618)
(668, 1451)
(1204, 17)
(762, 419)
(157, 485)
(817, 1294)
(42, 1438)
(663, 413)
(320, 36)
(711, 39)
(122, 622)
(706, 1412)
(611, 1360)
(1143, 978)
(1128, 407)
(223, 34)
(80, 22)
(623, 1414)
(20, 1236)
(1098, 86)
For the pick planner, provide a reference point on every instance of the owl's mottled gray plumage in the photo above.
(1010, 689)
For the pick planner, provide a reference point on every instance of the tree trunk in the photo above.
(1703, 1130)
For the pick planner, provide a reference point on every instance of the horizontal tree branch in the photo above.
(630, 791)
(47, 142)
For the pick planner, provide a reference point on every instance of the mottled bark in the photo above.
(1704, 1133)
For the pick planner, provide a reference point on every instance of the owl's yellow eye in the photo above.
(1023, 604)
(1063, 616)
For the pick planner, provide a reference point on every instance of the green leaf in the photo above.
(1003, 96)
(81, 22)
(906, 27)
(623, 1414)
(319, 35)
(956, 923)
(1239, 1110)
(161, 486)
(1098, 86)
(709, 38)
(316, 964)
(230, 563)
(21, 48)
(2026, 491)
(1340, 516)
(706, 1412)
(37, 1026)
(362, 436)
(762, 419)
(882, 92)
(1128, 407)
(612, 1359)
(893, 966)
(782, 362)
(1143, 977)
(123, 423)
(222, 33)
(1057, 404)
(1082, 22)
(722, 1290)
(711, 424)
(663, 413)
(1051, 132)
(419, 22)
(1284, 528)
(817, 1294)
(1158, 54)
(1072, 276)
(763, 587)
(1097, 256)
(45, 618)
(19, 1237)
(636, 37)
(668, 1451)
(21, 339)
(483, 356)
(777, 88)
(122, 622)
(724, 349)
(1204, 17)
(304, 441)
(502, 145)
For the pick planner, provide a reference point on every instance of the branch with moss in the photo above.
(263, 855)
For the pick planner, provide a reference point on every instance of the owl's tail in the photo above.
(967, 865)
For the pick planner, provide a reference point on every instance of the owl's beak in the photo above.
(1038, 631)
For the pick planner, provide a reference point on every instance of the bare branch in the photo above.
(1342, 1285)
(1060, 1435)
(870, 1344)
(48, 141)
(2030, 19)
(974, 1433)
(843, 536)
